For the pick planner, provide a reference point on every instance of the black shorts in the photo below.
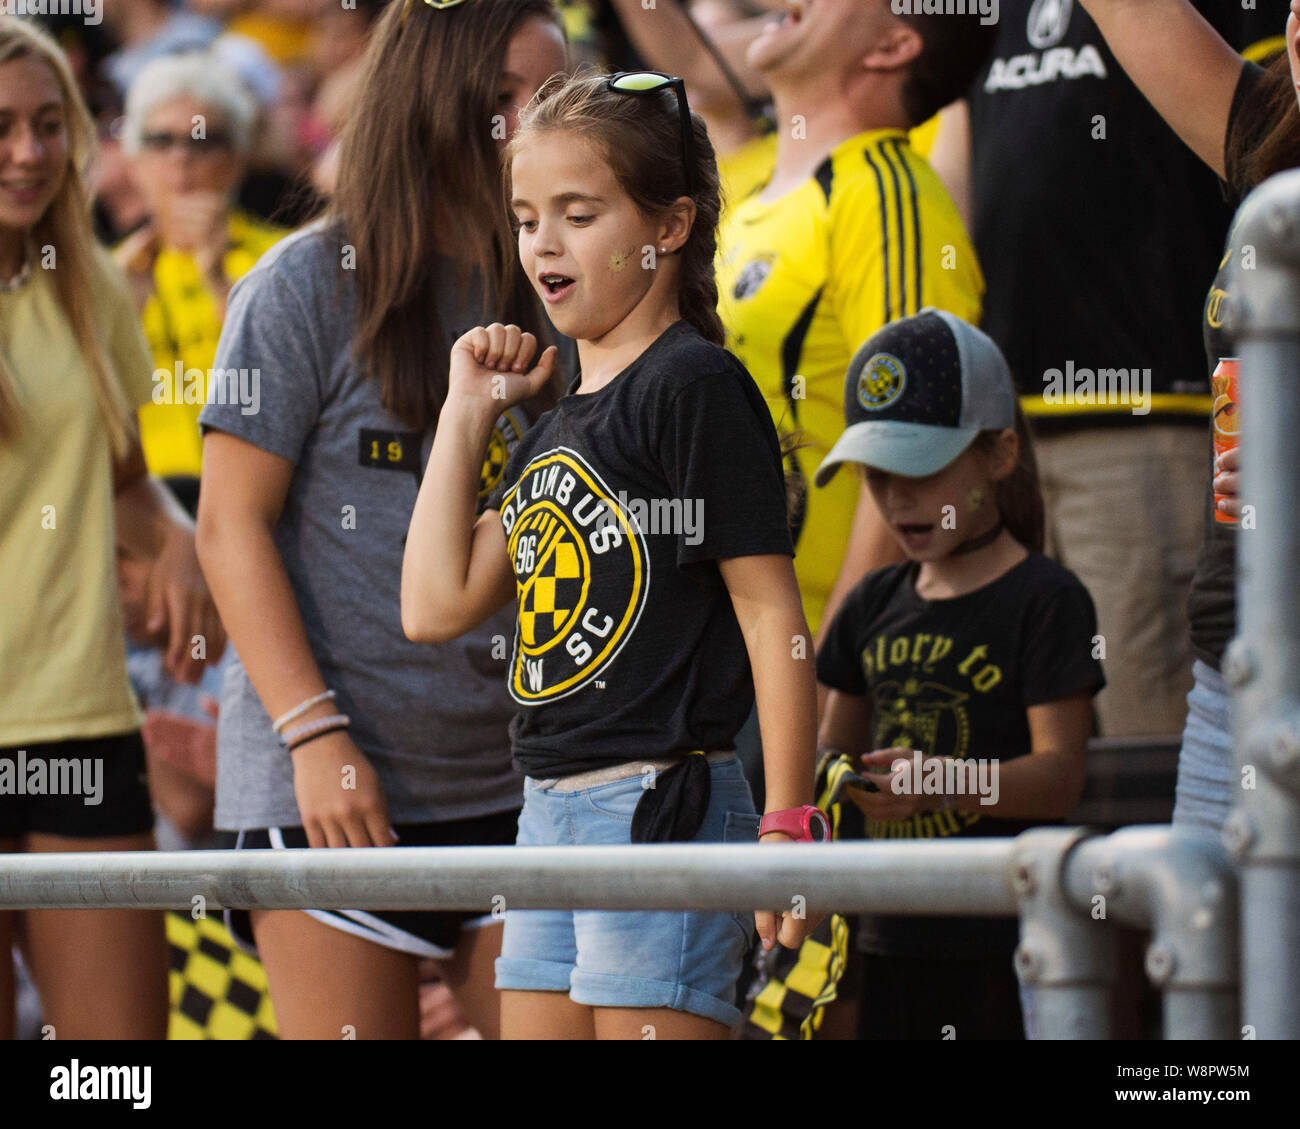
(425, 933)
(81, 789)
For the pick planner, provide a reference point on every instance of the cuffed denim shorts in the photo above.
(687, 961)
(1204, 793)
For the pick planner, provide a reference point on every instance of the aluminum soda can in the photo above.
(1225, 417)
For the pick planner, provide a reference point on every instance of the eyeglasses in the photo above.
(651, 82)
(437, 5)
(161, 141)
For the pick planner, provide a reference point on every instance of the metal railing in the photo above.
(1180, 887)
(1069, 887)
(1263, 663)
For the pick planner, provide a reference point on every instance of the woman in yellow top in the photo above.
(190, 123)
(73, 487)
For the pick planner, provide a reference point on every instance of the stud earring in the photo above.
(975, 498)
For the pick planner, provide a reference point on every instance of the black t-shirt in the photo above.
(1212, 603)
(617, 506)
(954, 678)
(1097, 250)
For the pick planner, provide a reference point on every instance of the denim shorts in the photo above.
(688, 961)
(1206, 774)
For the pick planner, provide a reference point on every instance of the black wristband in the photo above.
(309, 740)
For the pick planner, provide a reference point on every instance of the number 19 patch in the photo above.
(391, 450)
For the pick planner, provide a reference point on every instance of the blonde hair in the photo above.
(66, 227)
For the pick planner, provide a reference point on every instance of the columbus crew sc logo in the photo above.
(581, 572)
(506, 432)
(882, 381)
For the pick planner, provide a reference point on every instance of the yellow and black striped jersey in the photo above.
(805, 279)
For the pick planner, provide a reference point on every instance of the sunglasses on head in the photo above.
(651, 82)
(437, 5)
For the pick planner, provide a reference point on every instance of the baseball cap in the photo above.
(917, 393)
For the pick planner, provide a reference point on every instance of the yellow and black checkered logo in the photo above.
(581, 572)
(506, 432)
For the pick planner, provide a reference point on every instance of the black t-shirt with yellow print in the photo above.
(1212, 602)
(617, 506)
(954, 678)
(1097, 228)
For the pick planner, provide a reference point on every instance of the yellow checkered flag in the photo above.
(217, 990)
(797, 984)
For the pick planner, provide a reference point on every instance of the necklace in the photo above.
(979, 541)
(24, 273)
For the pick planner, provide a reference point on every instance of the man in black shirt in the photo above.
(1098, 232)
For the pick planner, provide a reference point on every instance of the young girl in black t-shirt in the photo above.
(642, 525)
(960, 680)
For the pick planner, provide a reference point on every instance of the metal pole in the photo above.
(934, 877)
(1263, 664)
(1065, 956)
(1200, 1013)
(1180, 885)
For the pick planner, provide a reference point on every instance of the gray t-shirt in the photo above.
(431, 719)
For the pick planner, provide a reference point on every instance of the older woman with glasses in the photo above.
(190, 124)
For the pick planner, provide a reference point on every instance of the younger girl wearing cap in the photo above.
(642, 524)
(977, 649)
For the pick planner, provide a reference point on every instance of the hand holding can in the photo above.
(1224, 414)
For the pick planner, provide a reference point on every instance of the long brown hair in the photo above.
(1019, 496)
(418, 161)
(640, 138)
(65, 227)
(1269, 141)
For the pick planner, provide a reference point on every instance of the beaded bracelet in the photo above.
(300, 709)
(290, 737)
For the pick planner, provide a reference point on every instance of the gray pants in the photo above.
(1204, 793)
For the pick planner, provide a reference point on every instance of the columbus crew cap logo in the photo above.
(882, 382)
(581, 573)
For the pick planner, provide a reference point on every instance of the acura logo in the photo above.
(1048, 22)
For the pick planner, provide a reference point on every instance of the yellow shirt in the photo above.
(62, 658)
(286, 40)
(922, 137)
(182, 322)
(806, 279)
(745, 170)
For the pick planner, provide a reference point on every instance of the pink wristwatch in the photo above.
(807, 824)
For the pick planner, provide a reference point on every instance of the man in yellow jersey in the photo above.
(662, 36)
(851, 231)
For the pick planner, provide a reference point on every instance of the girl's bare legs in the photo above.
(8, 988)
(655, 1023)
(552, 1015)
(471, 976)
(101, 973)
(328, 984)
(545, 1015)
